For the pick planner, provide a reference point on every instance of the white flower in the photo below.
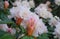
(31, 3)
(26, 4)
(57, 30)
(13, 12)
(53, 22)
(24, 13)
(57, 2)
(4, 27)
(21, 7)
(39, 25)
(42, 11)
(27, 17)
(17, 3)
(19, 11)
(40, 28)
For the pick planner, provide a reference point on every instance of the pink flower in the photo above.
(12, 31)
(30, 26)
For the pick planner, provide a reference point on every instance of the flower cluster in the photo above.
(32, 22)
(23, 12)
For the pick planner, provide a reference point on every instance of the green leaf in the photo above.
(22, 29)
(5, 19)
(2, 33)
(6, 22)
(27, 37)
(5, 35)
(43, 36)
(7, 12)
